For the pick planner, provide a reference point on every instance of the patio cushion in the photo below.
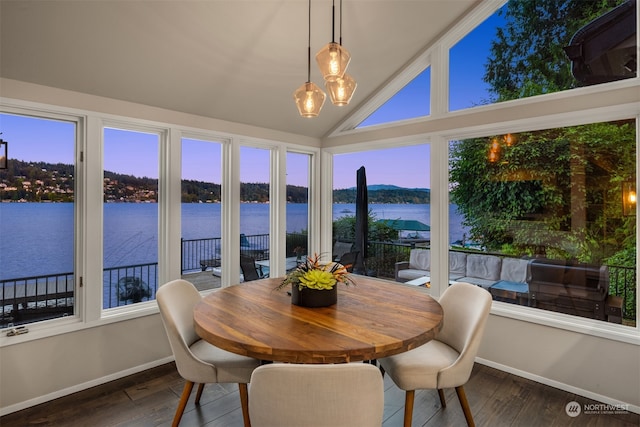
(420, 259)
(411, 273)
(514, 270)
(484, 266)
(457, 265)
(478, 281)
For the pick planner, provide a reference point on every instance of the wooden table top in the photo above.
(373, 319)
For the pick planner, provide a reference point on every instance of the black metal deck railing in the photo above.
(200, 254)
(28, 299)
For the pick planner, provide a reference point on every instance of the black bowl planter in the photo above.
(313, 297)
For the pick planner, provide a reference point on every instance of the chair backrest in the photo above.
(248, 267)
(341, 248)
(332, 395)
(349, 259)
(466, 309)
(176, 301)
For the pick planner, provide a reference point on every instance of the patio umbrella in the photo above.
(362, 220)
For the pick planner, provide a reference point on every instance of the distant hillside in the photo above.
(381, 193)
(40, 181)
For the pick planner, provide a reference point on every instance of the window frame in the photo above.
(534, 315)
(31, 110)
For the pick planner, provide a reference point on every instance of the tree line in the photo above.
(41, 181)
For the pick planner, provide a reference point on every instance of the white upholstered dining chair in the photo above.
(295, 395)
(197, 360)
(447, 360)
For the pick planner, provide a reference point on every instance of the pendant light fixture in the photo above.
(333, 59)
(341, 89)
(309, 97)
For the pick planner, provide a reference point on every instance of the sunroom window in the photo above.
(529, 48)
(412, 101)
(397, 213)
(549, 218)
(201, 260)
(255, 180)
(130, 216)
(37, 219)
(298, 179)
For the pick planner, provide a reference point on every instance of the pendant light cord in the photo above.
(340, 22)
(333, 22)
(309, 47)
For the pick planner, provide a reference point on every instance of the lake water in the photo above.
(37, 238)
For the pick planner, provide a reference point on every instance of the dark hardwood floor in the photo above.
(150, 398)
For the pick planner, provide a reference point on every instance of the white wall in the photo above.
(599, 368)
(44, 369)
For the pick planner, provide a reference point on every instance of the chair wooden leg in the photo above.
(462, 397)
(186, 392)
(443, 402)
(199, 393)
(408, 407)
(244, 403)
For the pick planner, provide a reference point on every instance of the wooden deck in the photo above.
(203, 280)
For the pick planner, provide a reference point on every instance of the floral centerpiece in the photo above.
(314, 283)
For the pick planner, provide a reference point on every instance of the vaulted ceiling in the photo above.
(235, 60)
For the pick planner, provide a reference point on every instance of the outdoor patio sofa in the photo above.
(562, 286)
(573, 288)
(478, 269)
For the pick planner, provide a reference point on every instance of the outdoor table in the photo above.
(372, 319)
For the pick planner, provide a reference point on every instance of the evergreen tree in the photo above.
(519, 195)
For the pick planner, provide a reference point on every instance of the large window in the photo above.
(201, 215)
(410, 102)
(130, 217)
(397, 212)
(530, 48)
(298, 171)
(37, 227)
(550, 218)
(254, 208)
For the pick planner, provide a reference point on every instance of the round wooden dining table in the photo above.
(372, 319)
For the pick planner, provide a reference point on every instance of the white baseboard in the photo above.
(561, 386)
(79, 387)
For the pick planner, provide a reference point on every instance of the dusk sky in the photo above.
(136, 153)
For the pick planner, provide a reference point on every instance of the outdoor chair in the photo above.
(349, 259)
(198, 361)
(446, 361)
(341, 248)
(249, 269)
(331, 395)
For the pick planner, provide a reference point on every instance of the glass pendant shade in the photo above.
(341, 90)
(309, 99)
(333, 60)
